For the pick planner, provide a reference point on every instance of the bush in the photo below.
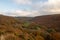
(1, 32)
(51, 30)
(26, 24)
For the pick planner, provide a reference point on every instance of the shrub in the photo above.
(51, 30)
(1, 32)
(26, 24)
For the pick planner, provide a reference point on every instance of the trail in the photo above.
(2, 37)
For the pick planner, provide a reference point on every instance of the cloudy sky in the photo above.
(29, 8)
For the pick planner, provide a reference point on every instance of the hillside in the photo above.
(25, 18)
(12, 28)
(50, 21)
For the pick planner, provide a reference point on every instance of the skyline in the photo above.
(29, 8)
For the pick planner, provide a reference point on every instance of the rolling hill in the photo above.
(25, 18)
(38, 28)
(50, 21)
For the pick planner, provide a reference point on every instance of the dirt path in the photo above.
(2, 37)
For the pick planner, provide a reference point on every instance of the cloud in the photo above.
(37, 8)
(24, 2)
(53, 4)
(47, 7)
(21, 13)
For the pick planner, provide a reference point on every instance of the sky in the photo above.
(29, 8)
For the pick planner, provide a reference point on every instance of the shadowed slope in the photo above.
(50, 21)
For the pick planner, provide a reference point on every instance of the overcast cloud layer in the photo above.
(36, 8)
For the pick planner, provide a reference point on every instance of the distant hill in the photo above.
(48, 21)
(25, 18)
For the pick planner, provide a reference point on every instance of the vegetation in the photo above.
(13, 29)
